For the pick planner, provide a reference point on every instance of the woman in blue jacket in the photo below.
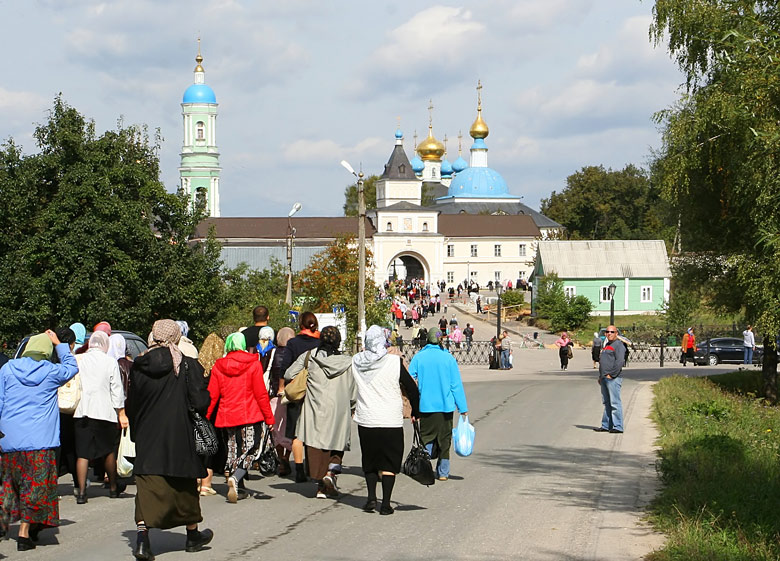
(30, 432)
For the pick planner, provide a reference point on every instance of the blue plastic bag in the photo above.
(463, 436)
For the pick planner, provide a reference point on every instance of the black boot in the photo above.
(143, 549)
(197, 540)
(24, 544)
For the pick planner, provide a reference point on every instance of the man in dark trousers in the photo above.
(613, 355)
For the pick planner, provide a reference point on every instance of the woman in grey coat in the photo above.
(325, 424)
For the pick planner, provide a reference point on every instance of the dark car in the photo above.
(724, 349)
(135, 345)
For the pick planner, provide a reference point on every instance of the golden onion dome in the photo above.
(479, 128)
(198, 60)
(430, 148)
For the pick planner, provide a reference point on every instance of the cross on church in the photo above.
(479, 93)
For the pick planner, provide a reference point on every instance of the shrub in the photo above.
(562, 311)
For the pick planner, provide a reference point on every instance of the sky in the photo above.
(304, 84)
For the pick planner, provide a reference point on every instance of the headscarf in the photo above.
(374, 348)
(284, 335)
(211, 351)
(330, 340)
(38, 348)
(265, 340)
(103, 326)
(117, 346)
(99, 340)
(185, 328)
(235, 342)
(80, 331)
(165, 333)
(690, 331)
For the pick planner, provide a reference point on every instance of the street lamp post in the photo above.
(612, 288)
(361, 251)
(290, 241)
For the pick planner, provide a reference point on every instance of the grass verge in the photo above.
(720, 447)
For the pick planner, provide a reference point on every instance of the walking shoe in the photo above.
(370, 505)
(232, 494)
(601, 429)
(81, 499)
(143, 550)
(385, 510)
(443, 478)
(120, 488)
(24, 544)
(199, 541)
(329, 484)
(321, 493)
(615, 431)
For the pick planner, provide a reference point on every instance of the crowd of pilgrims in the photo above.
(237, 383)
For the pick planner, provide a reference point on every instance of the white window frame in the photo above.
(389, 227)
(450, 250)
(649, 290)
(522, 250)
(200, 130)
(497, 250)
(570, 291)
(450, 277)
(474, 250)
(497, 276)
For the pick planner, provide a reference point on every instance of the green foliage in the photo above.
(89, 233)
(332, 278)
(718, 462)
(512, 297)
(562, 311)
(246, 288)
(680, 310)
(605, 205)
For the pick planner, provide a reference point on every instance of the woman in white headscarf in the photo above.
(101, 406)
(379, 376)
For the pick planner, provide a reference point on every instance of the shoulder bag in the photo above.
(296, 389)
(268, 459)
(418, 463)
(69, 395)
(206, 441)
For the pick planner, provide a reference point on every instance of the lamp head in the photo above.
(295, 208)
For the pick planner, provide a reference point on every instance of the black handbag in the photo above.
(268, 460)
(206, 441)
(418, 463)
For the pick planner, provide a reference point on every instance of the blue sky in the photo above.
(304, 84)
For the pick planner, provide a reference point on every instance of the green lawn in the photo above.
(719, 465)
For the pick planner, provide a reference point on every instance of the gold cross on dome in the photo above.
(479, 93)
(430, 113)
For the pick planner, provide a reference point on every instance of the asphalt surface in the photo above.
(540, 485)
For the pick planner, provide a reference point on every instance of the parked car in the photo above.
(135, 345)
(724, 349)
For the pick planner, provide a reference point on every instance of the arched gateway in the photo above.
(407, 266)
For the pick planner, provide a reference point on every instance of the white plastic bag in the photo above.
(463, 436)
(124, 467)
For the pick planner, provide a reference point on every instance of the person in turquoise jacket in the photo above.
(30, 429)
(441, 390)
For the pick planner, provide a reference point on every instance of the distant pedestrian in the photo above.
(688, 347)
(468, 333)
(596, 349)
(506, 351)
(479, 304)
(564, 344)
(610, 379)
(749, 342)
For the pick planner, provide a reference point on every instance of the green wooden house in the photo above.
(637, 269)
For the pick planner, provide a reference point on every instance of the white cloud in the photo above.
(325, 151)
(538, 15)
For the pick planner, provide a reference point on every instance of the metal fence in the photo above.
(476, 353)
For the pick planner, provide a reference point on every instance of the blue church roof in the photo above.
(478, 182)
(459, 165)
(199, 93)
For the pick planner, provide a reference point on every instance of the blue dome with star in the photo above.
(478, 183)
(417, 164)
(446, 168)
(199, 93)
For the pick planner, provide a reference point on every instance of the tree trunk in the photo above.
(769, 369)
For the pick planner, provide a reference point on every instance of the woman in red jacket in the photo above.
(236, 383)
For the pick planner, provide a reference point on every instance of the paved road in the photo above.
(541, 485)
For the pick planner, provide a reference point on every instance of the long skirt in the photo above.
(381, 448)
(280, 414)
(29, 488)
(166, 502)
(323, 461)
(243, 444)
(437, 427)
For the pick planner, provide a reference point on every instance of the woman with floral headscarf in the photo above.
(236, 383)
(101, 407)
(29, 421)
(325, 423)
(379, 376)
(164, 385)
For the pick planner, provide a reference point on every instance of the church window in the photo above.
(433, 173)
(450, 277)
(425, 227)
(200, 130)
(389, 227)
(473, 250)
(497, 250)
(522, 250)
(450, 250)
